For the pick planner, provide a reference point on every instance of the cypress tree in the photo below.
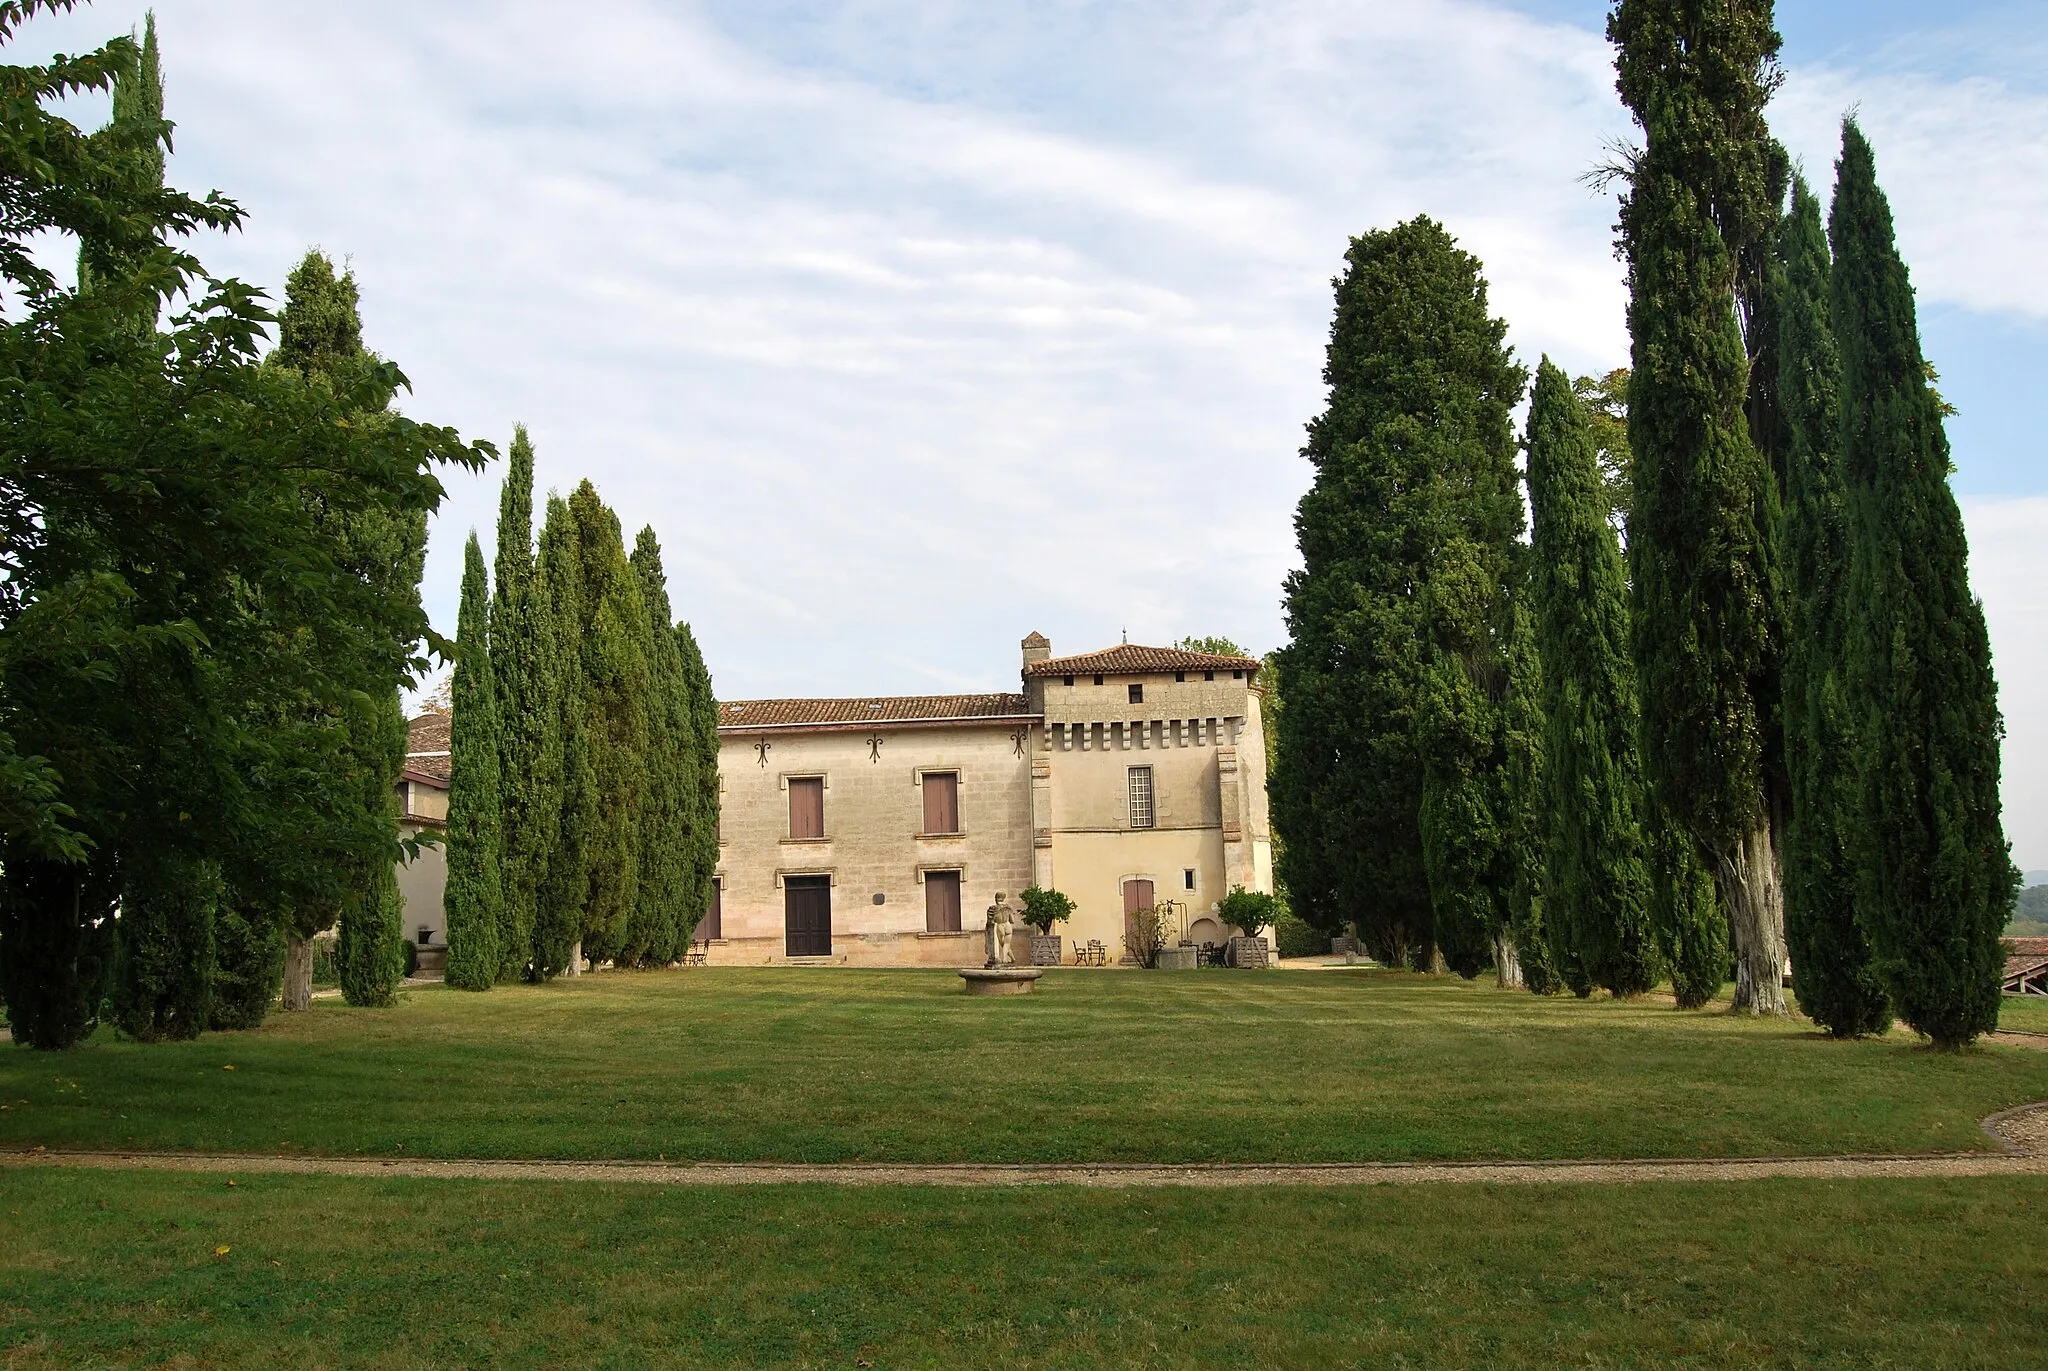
(248, 966)
(1598, 879)
(370, 947)
(474, 897)
(525, 667)
(701, 798)
(163, 973)
(1937, 883)
(1414, 469)
(1702, 530)
(661, 917)
(56, 949)
(615, 669)
(1685, 909)
(1833, 973)
(1526, 938)
(564, 893)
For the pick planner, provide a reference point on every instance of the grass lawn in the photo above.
(2024, 1013)
(105, 1269)
(811, 1065)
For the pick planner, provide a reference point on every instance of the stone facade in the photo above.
(1111, 776)
(423, 808)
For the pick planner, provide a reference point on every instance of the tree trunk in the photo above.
(575, 967)
(1507, 962)
(1436, 961)
(298, 972)
(1747, 875)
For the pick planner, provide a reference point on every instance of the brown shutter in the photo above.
(941, 901)
(942, 802)
(807, 807)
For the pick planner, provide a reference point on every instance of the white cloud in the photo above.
(932, 323)
(2009, 571)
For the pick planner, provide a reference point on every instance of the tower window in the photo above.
(1098, 679)
(1187, 879)
(1208, 675)
(1066, 680)
(1137, 694)
(1141, 796)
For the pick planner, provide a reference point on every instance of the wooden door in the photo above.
(942, 902)
(1137, 895)
(807, 916)
(712, 926)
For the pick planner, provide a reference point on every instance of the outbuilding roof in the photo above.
(426, 749)
(1129, 659)
(867, 709)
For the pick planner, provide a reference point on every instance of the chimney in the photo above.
(1037, 648)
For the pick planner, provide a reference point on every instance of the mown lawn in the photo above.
(103, 1269)
(2024, 1013)
(810, 1065)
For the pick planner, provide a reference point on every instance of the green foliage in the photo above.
(1525, 823)
(474, 897)
(565, 891)
(701, 814)
(617, 684)
(163, 973)
(1937, 883)
(661, 920)
(1293, 938)
(1397, 618)
(56, 949)
(1704, 506)
(248, 966)
(1833, 974)
(1685, 909)
(1597, 883)
(1043, 908)
(1604, 401)
(371, 947)
(1252, 911)
(1214, 646)
(526, 668)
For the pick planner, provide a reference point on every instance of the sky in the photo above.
(912, 326)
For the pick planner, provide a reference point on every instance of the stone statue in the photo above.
(1001, 919)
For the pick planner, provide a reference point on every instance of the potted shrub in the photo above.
(1252, 911)
(1042, 909)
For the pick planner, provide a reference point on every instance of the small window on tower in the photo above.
(1098, 680)
(1180, 676)
(1187, 879)
(1066, 680)
(1208, 675)
(1137, 694)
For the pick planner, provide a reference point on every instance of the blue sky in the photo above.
(915, 325)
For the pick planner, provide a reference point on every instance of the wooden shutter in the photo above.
(942, 802)
(941, 899)
(807, 807)
(1137, 895)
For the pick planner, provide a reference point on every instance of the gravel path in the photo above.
(2022, 1135)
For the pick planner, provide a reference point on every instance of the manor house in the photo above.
(877, 831)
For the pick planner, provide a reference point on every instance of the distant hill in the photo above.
(2030, 911)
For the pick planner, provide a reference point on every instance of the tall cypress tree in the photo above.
(163, 976)
(615, 669)
(474, 897)
(564, 893)
(1413, 464)
(1833, 973)
(1701, 532)
(701, 800)
(661, 919)
(1598, 883)
(1685, 909)
(1937, 883)
(526, 668)
(1526, 935)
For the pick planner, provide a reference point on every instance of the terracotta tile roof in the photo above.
(866, 709)
(1129, 659)
(2024, 951)
(426, 747)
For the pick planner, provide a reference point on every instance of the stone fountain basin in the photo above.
(1001, 980)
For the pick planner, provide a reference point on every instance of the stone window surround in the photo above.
(828, 872)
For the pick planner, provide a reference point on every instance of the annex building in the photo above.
(877, 831)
